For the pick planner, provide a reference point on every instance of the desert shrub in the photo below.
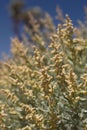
(45, 89)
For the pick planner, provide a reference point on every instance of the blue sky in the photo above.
(72, 7)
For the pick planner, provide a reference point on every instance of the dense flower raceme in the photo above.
(45, 90)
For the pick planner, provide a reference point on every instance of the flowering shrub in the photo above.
(45, 89)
